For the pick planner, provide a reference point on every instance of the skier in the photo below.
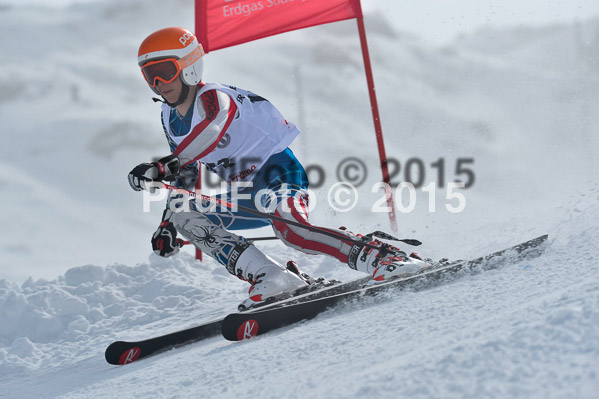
(242, 137)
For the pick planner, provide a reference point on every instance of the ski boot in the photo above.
(261, 291)
(397, 264)
(385, 262)
(269, 280)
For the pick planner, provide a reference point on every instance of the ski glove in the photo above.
(143, 175)
(164, 240)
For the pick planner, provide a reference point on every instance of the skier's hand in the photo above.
(143, 175)
(164, 240)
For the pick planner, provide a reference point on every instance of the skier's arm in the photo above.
(188, 175)
(218, 110)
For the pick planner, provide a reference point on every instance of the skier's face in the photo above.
(170, 91)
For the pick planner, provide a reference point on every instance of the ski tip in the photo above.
(248, 329)
(236, 327)
(539, 240)
(121, 353)
(130, 355)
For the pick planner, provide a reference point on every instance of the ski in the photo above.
(125, 352)
(240, 326)
(287, 311)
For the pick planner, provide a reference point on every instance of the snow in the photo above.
(76, 269)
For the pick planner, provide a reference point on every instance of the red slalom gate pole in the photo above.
(377, 122)
(199, 190)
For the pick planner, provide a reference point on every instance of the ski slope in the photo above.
(76, 269)
(527, 330)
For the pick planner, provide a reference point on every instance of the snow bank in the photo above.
(81, 311)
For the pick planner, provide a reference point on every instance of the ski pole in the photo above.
(264, 215)
(183, 242)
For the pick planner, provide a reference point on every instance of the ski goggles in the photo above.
(165, 70)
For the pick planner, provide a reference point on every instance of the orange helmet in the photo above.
(169, 53)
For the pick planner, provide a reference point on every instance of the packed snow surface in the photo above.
(529, 329)
(76, 271)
